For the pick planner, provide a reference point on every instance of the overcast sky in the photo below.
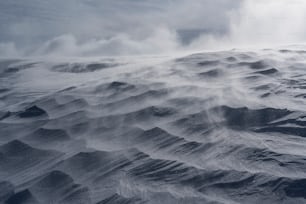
(112, 27)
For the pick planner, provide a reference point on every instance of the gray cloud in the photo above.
(108, 27)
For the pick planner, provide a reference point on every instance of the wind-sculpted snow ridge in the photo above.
(220, 127)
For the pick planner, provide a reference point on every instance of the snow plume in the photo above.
(126, 27)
